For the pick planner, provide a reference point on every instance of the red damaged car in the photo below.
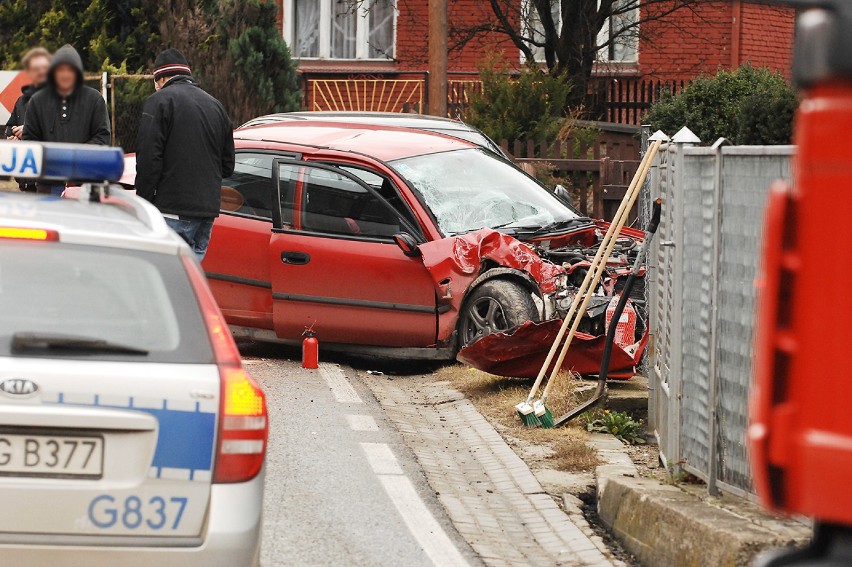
(400, 243)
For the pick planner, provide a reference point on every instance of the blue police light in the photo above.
(60, 162)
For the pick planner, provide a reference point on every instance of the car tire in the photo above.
(493, 307)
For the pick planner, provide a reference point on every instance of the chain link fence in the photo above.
(702, 303)
(125, 97)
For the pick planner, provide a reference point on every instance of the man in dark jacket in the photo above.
(66, 110)
(36, 62)
(184, 149)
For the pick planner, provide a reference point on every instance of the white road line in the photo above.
(338, 384)
(362, 423)
(421, 523)
(381, 458)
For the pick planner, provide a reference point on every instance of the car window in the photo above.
(330, 202)
(249, 191)
(137, 299)
(471, 189)
(384, 187)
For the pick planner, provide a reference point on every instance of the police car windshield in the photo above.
(142, 301)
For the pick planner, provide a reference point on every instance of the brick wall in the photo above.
(715, 35)
(766, 36)
(413, 33)
(686, 43)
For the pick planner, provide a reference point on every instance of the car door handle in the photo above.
(295, 258)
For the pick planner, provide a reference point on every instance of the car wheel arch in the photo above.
(510, 274)
(502, 273)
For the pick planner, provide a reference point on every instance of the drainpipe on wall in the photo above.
(736, 32)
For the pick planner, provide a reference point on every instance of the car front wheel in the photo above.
(493, 307)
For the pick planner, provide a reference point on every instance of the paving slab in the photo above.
(489, 493)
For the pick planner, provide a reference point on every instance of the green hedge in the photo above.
(747, 106)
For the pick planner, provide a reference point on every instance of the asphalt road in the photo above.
(341, 487)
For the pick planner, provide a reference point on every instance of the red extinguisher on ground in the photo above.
(310, 349)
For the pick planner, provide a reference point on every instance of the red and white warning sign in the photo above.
(10, 89)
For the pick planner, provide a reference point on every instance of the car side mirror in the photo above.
(563, 195)
(407, 244)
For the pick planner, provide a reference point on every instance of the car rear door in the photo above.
(99, 446)
(236, 262)
(335, 266)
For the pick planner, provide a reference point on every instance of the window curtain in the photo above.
(380, 36)
(307, 16)
(343, 26)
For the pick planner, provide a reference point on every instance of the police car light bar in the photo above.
(60, 162)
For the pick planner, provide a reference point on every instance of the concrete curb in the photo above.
(660, 524)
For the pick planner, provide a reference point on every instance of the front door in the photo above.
(335, 266)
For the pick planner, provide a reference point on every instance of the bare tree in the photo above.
(571, 36)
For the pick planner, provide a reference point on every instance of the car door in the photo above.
(335, 266)
(236, 264)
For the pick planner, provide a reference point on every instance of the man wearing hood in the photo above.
(184, 148)
(36, 62)
(66, 110)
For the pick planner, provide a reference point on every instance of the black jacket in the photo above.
(79, 118)
(20, 109)
(184, 149)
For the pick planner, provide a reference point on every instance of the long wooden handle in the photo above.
(586, 281)
(618, 222)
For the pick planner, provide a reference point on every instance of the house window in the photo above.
(340, 29)
(622, 27)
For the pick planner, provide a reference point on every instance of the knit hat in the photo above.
(169, 63)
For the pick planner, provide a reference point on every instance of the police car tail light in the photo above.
(243, 423)
(243, 428)
(17, 233)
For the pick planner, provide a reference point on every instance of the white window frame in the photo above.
(603, 36)
(362, 46)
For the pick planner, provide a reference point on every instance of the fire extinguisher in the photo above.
(625, 326)
(310, 349)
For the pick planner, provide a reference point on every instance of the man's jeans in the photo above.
(196, 231)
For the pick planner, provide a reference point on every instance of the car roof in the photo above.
(123, 222)
(386, 143)
(399, 119)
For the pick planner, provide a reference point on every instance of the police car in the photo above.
(130, 434)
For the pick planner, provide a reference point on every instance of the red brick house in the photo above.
(374, 56)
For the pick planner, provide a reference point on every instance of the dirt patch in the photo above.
(564, 449)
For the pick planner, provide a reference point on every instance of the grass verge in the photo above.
(496, 396)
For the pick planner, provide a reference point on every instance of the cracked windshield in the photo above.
(470, 189)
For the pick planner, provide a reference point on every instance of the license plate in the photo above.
(51, 455)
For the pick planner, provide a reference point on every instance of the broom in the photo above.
(525, 409)
(600, 390)
(542, 413)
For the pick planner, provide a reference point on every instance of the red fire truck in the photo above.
(801, 428)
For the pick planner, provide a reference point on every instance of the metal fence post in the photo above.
(683, 139)
(713, 469)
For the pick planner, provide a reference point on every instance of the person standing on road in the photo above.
(36, 62)
(184, 148)
(66, 110)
